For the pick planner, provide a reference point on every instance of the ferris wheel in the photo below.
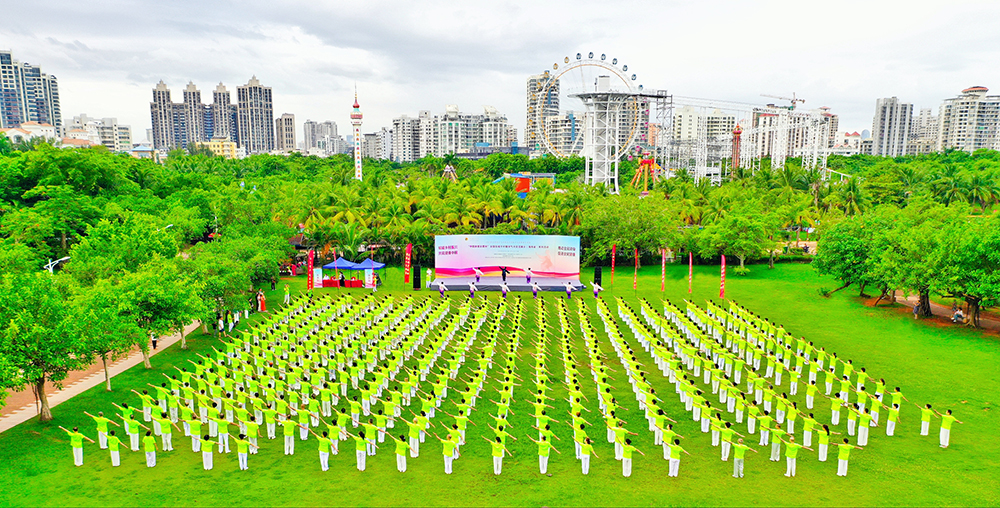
(589, 106)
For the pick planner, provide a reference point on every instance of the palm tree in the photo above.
(982, 190)
(949, 186)
(852, 197)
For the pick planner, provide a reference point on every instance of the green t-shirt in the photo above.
(739, 451)
(324, 445)
(946, 421)
(359, 443)
(194, 426)
(448, 448)
(242, 446)
(288, 427)
(401, 447)
(113, 443)
(675, 452)
(206, 445)
(102, 424)
(543, 448)
(925, 414)
(497, 449)
(792, 450)
(76, 439)
(586, 448)
(149, 444)
(165, 427)
(845, 451)
(627, 450)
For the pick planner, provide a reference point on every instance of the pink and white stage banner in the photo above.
(547, 256)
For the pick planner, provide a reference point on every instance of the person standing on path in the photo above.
(76, 442)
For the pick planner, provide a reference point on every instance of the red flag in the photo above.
(309, 270)
(336, 270)
(406, 263)
(635, 275)
(613, 247)
(690, 270)
(663, 269)
(722, 280)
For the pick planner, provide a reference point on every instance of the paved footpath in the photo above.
(21, 405)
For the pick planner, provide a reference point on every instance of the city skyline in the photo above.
(402, 61)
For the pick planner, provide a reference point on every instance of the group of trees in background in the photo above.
(153, 247)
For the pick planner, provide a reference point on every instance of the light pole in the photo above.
(52, 264)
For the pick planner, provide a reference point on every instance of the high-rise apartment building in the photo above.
(891, 127)
(451, 132)
(195, 113)
(223, 115)
(255, 115)
(284, 133)
(688, 122)
(27, 94)
(970, 121)
(541, 103)
(169, 124)
(103, 131)
(318, 135)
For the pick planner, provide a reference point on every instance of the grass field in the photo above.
(948, 367)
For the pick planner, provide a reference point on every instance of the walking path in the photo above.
(21, 405)
(944, 312)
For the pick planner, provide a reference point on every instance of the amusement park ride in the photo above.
(617, 120)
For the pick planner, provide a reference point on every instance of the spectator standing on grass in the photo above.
(430, 275)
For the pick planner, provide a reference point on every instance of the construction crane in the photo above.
(793, 99)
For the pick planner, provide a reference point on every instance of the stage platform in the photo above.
(514, 283)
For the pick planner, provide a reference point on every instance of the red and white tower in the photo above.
(356, 122)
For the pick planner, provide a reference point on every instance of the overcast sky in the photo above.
(406, 56)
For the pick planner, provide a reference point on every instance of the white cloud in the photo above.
(408, 56)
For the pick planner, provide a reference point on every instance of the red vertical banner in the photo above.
(722, 279)
(309, 269)
(406, 263)
(690, 270)
(336, 270)
(663, 270)
(613, 248)
(635, 274)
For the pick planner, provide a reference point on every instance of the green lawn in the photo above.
(947, 367)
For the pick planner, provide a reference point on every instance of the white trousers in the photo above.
(401, 463)
(841, 468)
(925, 428)
(77, 456)
(890, 428)
(115, 459)
(543, 464)
(725, 449)
(626, 467)
(448, 460)
(361, 459)
(324, 461)
(675, 467)
(289, 445)
(790, 470)
(737, 468)
(497, 465)
(585, 463)
(822, 452)
(150, 459)
(102, 440)
(945, 437)
(242, 457)
(206, 460)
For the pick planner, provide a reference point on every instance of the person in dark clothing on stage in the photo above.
(503, 273)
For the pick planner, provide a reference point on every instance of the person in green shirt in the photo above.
(102, 428)
(149, 446)
(194, 426)
(544, 447)
(401, 446)
(791, 454)
(166, 434)
(243, 447)
(206, 452)
(675, 458)
(448, 449)
(498, 451)
(739, 453)
(114, 444)
(926, 413)
(360, 448)
(946, 420)
(76, 442)
(890, 424)
(288, 432)
(627, 450)
(843, 455)
(777, 433)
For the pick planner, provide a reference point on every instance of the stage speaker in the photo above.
(415, 275)
(597, 275)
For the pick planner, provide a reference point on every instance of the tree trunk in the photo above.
(63, 241)
(924, 304)
(880, 297)
(770, 259)
(742, 258)
(973, 313)
(841, 287)
(863, 290)
(45, 414)
(798, 232)
(180, 330)
(107, 375)
(145, 357)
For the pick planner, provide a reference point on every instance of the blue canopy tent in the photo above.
(341, 264)
(368, 264)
